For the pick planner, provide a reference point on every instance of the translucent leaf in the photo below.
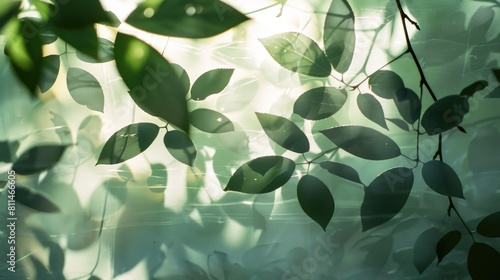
(78, 14)
(8, 150)
(447, 243)
(261, 175)
(211, 82)
(495, 93)
(83, 39)
(85, 89)
(371, 109)
(385, 83)
(8, 9)
(319, 103)
(105, 52)
(50, 70)
(38, 159)
(180, 146)
(157, 182)
(400, 123)
(339, 35)
(128, 142)
(316, 200)
(341, 170)
(408, 104)
(469, 90)
(424, 251)
(445, 114)
(61, 128)
(200, 19)
(210, 121)
(35, 200)
(284, 132)
(363, 142)
(385, 196)
(483, 261)
(183, 76)
(154, 85)
(440, 177)
(490, 225)
(298, 53)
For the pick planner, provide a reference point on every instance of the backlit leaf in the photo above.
(490, 225)
(363, 142)
(105, 52)
(157, 182)
(408, 104)
(8, 9)
(424, 251)
(483, 261)
(211, 82)
(298, 53)
(85, 89)
(210, 121)
(319, 103)
(385, 83)
(284, 132)
(38, 159)
(316, 200)
(445, 114)
(341, 170)
(447, 243)
(440, 177)
(180, 146)
(371, 109)
(50, 70)
(35, 200)
(261, 175)
(79, 13)
(469, 90)
(183, 76)
(83, 39)
(399, 123)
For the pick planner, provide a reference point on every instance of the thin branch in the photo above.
(452, 207)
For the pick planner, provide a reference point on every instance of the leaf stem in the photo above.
(324, 153)
(452, 207)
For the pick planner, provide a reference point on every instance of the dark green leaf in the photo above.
(408, 104)
(424, 251)
(83, 39)
(8, 9)
(495, 93)
(50, 70)
(319, 103)
(440, 177)
(400, 123)
(445, 114)
(85, 89)
(180, 146)
(341, 170)
(76, 14)
(363, 142)
(483, 261)
(298, 53)
(385, 83)
(372, 109)
(261, 175)
(496, 72)
(210, 121)
(385, 196)
(199, 19)
(183, 76)
(38, 158)
(447, 243)
(112, 20)
(8, 150)
(339, 35)
(211, 82)
(157, 182)
(490, 225)
(316, 200)
(46, 34)
(35, 200)
(56, 258)
(284, 132)
(93, 277)
(469, 90)
(128, 142)
(461, 129)
(105, 52)
(154, 85)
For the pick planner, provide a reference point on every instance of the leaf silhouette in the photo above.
(385, 196)
(490, 225)
(363, 142)
(128, 142)
(445, 114)
(8, 150)
(183, 76)
(284, 132)
(157, 182)
(495, 93)
(341, 170)
(319, 103)
(483, 261)
(440, 177)
(38, 158)
(408, 104)
(56, 258)
(211, 82)
(261, 175)
(85, 89)
(210, 121)
(339, 35)
(83, 39)
(105, 52)
(154, 85)
(50, 70)
(496, 73)
(200, 19)
(78, 14)
(35, 200)
(447, 243)
(469, 90)
(385, 83)
(180, 146)
(298, 53)
(424, 251)
(371, 109)
(316, 200)
(399, 123)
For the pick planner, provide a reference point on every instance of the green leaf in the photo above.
(447, 243)
(56, 258)
(341, 170)
(363, 142)
(196, 19)
(316, 200)
(469, 90)
(385, 196)
(105, 52)
(75, 14)
(440, 177)
(284, 132)
(319, 103)
(85, 89)
(445, 114)
(211, 82)
(385, 83)
(408, 104)
(339, 35)
(157, 182)
(38, 159)
(490, 225)
(50, 70)
(372, 109)
(496, 73)
(8, 150)
(83, 39)
(483, 261)
(128, 142)
(112, 20)
(210, 121)
(298, 53)
(261, 175)
(399, 123)
(8, 9)
(35, 200)
(180, 146)
(154, 85)
(424, 251)
(183, 76)
(495, 93)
